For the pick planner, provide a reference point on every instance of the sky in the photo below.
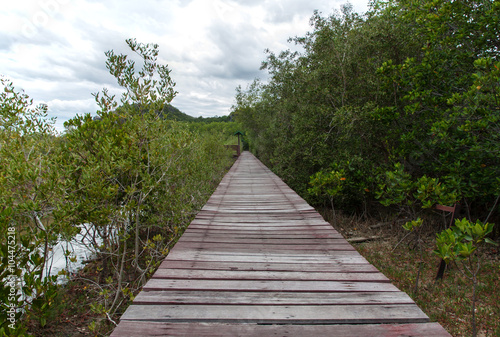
(54, 49)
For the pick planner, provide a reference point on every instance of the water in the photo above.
(80, 248)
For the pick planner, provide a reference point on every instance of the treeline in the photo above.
(129, 181)
(399, 106)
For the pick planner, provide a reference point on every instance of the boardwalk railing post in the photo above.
(238, 133)
(454, 210)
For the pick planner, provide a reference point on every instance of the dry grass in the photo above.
(447, 302)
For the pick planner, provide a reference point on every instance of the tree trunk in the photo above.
(474, 285)
(120, 278)
(104, 254)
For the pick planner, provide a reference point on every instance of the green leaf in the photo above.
(488, 240)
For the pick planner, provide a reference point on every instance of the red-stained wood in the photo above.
(193, 274)
(258, 254)
(154, 329)
(278, 314)
(250, 247)
(290, 239)
(261, 298)
(264, 266)
(268, 285)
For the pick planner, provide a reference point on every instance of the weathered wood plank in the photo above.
(269, 286)
(272, 230)
(262, 240)
(272, 314)
(267, 226)
(256, 235)
(339, 257)
(263, 266)
(262, 298)
(251, 221)
(194, 274)
(154, 329)
(251, 247)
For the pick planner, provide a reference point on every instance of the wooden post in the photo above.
(239, 147)
(238, 133)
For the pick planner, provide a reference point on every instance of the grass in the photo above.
(448, 301)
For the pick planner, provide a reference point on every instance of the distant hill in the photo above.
(171, 112)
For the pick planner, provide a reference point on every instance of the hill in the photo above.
(171, 112)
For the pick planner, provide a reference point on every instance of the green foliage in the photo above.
(413, 225)
(30, 192)
(312, 115)
(462, 240)
(435, 118)
(398, 188)
(141, 87)
(136, 173)
(411, 83)
(431, 192)
(329, 183)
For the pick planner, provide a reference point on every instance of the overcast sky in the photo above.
(54, 49)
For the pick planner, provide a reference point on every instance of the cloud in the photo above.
(6, 41)
(67, 109)
(287, 11)
(54, 49)
(239, 50)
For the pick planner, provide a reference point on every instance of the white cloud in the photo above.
(54, 49)
(64, 110)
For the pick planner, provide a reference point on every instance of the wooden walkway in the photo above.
(259, 261)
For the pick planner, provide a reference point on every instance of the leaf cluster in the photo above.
(462, 240)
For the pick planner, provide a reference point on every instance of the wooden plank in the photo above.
(250, 247)
(289, 224)
(261, 223)
(339, 257)
(262, 240)
(193, 274)
(262, 298)
(270, 229)
(318, 243)
(263, 266)
(264, 233)
(269, 286)
(445, 208)
(154, 329)
(251, 208)
(242, 223)
(273, 314)
(264, 217)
